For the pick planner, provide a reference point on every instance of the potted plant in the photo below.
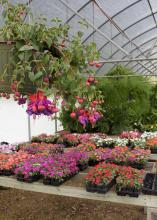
(152, 144)
(101, 178)
(29, 171)
(57, 169)
(95, 157)
(138, 157)
(129, 181)
(81, 159)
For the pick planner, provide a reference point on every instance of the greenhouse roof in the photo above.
(122, 29)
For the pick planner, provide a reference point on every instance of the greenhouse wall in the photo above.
(14, 123)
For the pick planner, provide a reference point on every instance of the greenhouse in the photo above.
(78, 109)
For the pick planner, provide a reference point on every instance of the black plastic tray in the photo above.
(150, 184)
(30, 179)
(100, 188)
(132, 192)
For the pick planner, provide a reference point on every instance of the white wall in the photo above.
(14, 123)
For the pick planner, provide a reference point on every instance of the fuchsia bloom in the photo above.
(39, 104)
(86, 116)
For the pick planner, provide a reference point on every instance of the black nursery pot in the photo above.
(93, 162)
(52, 181)
(132, 192)
(30, 179)
(153, 151)
(47, 181)
(99, 188)
(7, 172)
(150, 184)
(82, 166)
(135, 165)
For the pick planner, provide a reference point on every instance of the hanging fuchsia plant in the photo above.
(87, 108)
(39, 104)
(86, 116)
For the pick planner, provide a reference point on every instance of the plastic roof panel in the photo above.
(122, 29)
(112, 7)
(132, 14)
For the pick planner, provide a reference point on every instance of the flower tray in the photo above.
(56, 182)
(132, 192)
(82, 166)
(93, 162)
(30, 179)
(115, 162)
(108, 145)
(53, 182)
(138, 166)
(6, 172)
(100, 188)
(150, 184)
(153, 150)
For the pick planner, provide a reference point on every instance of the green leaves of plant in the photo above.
(26, 47)
(38, 75)
(33, 77)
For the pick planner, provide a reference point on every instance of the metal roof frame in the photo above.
(129, 42)
(142, 66)
(101, 33)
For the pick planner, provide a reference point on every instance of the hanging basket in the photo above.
(5, 57)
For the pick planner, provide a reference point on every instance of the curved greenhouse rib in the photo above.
(80, 9)
(155, 23)
(141, 46)
(101, 33)
(129, 42)
(114, 16)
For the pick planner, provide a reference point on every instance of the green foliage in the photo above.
(149, 120)
(41, 52)
(125, 99)
(127, 104)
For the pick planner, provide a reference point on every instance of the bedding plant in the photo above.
(129, 180)
(101, 178)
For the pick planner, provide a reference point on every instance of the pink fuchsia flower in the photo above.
(39, 104)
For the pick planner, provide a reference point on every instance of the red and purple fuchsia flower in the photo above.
(39, 104)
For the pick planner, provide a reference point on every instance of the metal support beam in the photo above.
(127, 60)
(122, 76)
(29, 128)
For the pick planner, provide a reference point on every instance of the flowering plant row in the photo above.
(42, 148)
(130, 134)
(57, 167)
(118, 155)
(45, 138)
(69, 139)
(10, 161)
